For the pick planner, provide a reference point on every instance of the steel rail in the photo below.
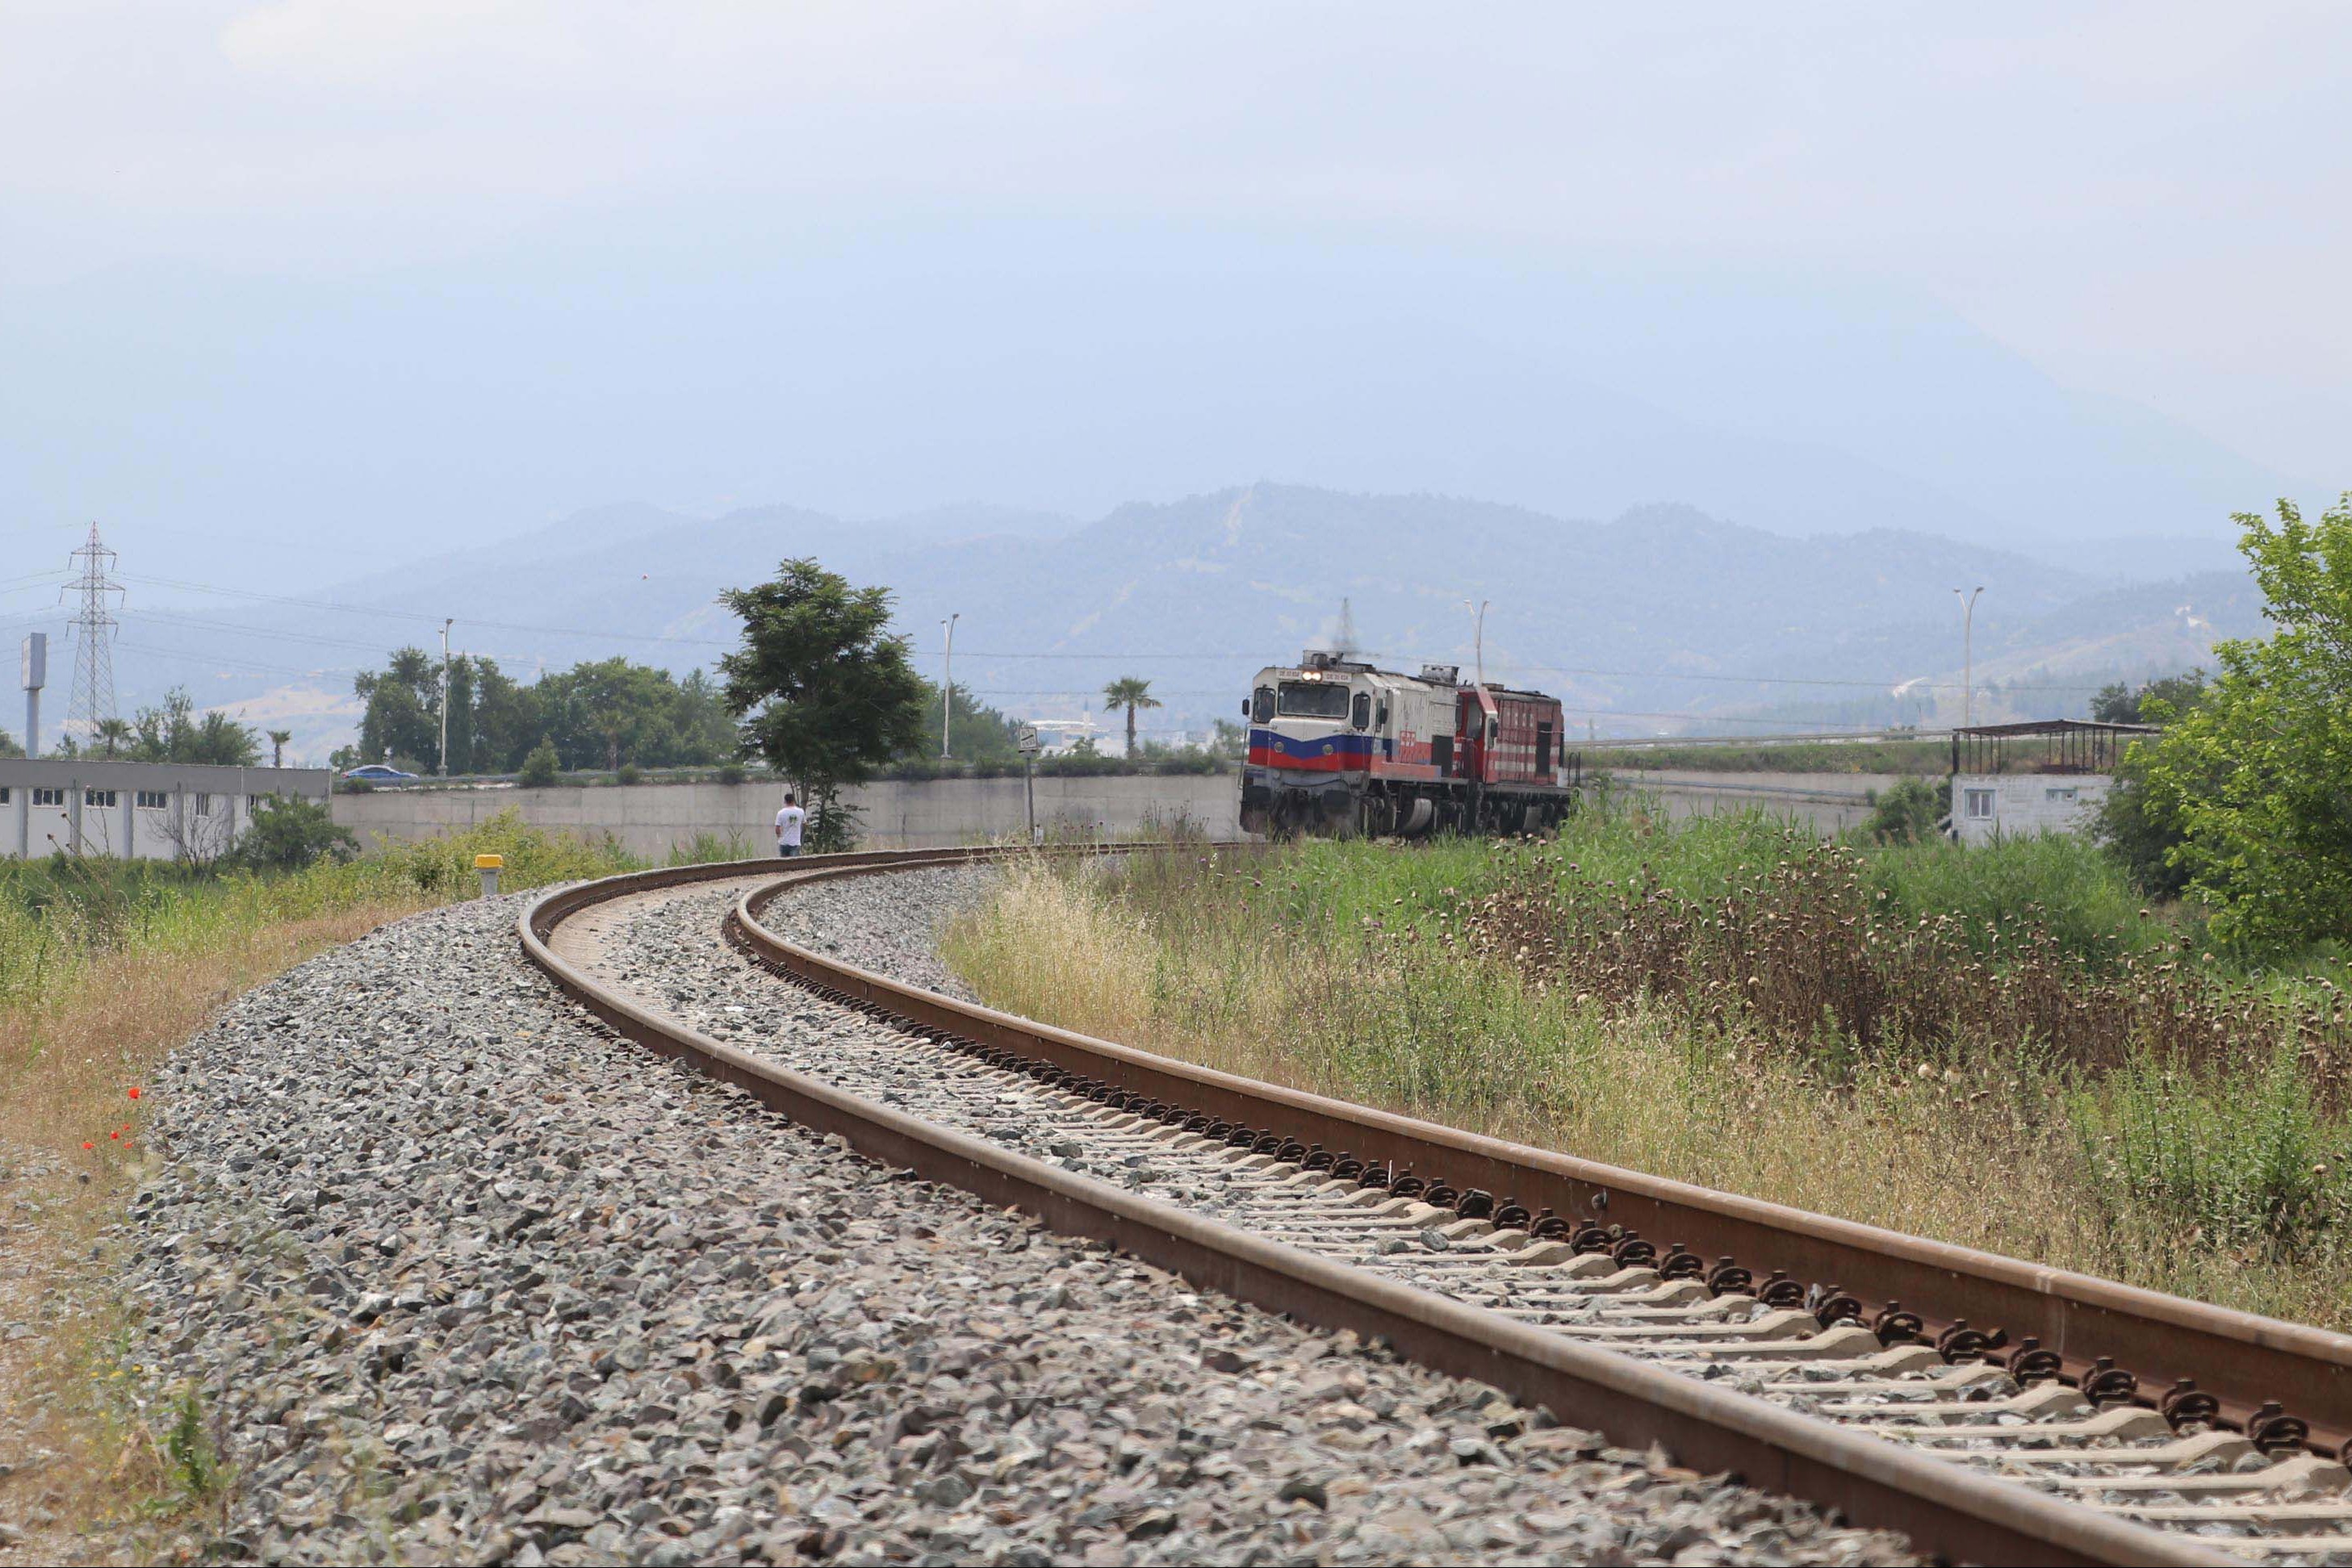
(1944, 1507)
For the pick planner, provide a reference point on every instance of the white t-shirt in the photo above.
(788, 825)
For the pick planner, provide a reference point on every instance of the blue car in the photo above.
(377, 773)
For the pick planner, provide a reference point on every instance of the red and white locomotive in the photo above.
(1340, 748)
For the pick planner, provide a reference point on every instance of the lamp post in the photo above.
(446, 622)
(947, 684)
(1478, 636)
(1968, 655)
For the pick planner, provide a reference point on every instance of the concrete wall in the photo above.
(1831, 802)
(92, 806)
(650, 819)
(2024, 804)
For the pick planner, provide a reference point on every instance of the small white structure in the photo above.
(2046, 776)
(136, 811)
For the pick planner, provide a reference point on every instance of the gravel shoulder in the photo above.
(445, 1271)
(666, 951)
(890, 925)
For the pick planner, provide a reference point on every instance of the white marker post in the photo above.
(489, 866)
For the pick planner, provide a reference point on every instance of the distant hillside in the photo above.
(864, 374)
(1661, 614)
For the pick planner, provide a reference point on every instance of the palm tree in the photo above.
(113, 733)
(1129, 692)
(277, 739)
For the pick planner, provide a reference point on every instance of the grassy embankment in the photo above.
(105, 966)
(1996, 1047)
(1921, 758)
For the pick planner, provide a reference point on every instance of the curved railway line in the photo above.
(1995, 1410)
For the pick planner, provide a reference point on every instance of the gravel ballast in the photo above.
(461, 1276)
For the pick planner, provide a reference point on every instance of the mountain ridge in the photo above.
(1660, 610)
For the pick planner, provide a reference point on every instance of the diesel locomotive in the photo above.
(1338, 748)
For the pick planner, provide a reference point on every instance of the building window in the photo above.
(2067, 793)
(1979, 804)
(152, 799)
(97, 798)
(203, 804)
(47, 797)
(3, 794)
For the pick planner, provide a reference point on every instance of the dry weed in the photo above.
(1973, 1147)
(69, 1061)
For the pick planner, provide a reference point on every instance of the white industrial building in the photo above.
(2046, 776)
(137, 811)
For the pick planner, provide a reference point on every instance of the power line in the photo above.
(242, 665)
(1068, 655)
(431, 619)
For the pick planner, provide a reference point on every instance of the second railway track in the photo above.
(1993, 1409)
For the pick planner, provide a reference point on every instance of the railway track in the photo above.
(1992, 1409)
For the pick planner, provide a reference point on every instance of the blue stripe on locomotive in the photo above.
(1362, 748)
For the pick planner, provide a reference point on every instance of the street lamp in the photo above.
(446, 622)
(947, 682)
(1968, 655)
(1478, 636)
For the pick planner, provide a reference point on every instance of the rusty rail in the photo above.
(1947, 1510)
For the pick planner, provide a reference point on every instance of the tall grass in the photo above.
(1372, 973)
(64, 917)
(105, 965)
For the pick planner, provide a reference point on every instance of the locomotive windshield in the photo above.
(1314, 699)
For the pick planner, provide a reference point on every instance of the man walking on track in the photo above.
(788, 827)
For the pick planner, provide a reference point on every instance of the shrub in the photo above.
(1911, 812)
(2243, 1156)
(731, 773)
(539, 768)
(288, 834)
(627, 774)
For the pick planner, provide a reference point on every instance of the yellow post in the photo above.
(489, 866)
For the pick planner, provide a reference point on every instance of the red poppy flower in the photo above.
(116, 1136)
(87, 1145)
(134, 1093)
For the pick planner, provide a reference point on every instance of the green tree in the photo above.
(507, 718)
(620, 709)
(459, 698)
(287, 834)
(602, 713)
(113, 736)
(10, 746)
(277, 739)
(2139, 826)
(403, 719)
(2256, 775)
(701, 729)
(1131, 692)
(176, 732)
(821, 691)
(980, 734)
(2119, 703)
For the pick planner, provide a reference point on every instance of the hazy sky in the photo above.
(2146, 200)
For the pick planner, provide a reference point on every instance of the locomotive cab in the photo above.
(1322, 730)
(1336, 747)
